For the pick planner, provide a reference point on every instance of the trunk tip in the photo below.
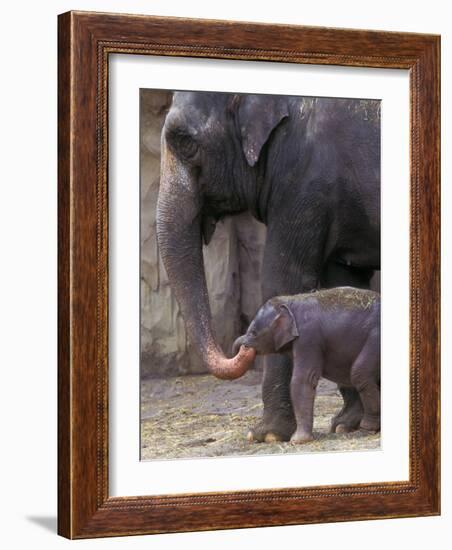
(230, 369)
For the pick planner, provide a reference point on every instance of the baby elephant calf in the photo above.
(333, 333)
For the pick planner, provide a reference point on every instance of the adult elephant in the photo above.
(309, 168)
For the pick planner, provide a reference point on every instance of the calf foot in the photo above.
(278, 429)
(300, 437)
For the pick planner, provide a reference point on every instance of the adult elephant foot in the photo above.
(346, 423)
(344, 428)
(370, 423)
(278, 429)
(362, 432)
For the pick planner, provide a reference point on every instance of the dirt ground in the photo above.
(199, 416)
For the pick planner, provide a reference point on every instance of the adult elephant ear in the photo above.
(258, 116)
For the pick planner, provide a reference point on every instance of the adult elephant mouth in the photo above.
(180, 244)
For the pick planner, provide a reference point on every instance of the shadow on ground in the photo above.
(49, 523)
(200, 416)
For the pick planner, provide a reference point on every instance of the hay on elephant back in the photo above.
(334, 298)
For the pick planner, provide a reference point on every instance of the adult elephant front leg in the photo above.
(349, 417)
(278, 420)
(289, 268)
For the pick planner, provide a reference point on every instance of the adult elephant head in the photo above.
(211, 145)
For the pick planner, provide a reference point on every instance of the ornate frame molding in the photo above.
(85, 42)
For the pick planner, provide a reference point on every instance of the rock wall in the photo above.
(232, 261)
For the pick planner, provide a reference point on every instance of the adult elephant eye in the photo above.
(187, 146)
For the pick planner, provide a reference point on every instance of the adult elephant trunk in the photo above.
(180, 244)
(239, 342)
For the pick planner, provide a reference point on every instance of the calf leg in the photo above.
(306, 374)
(365, 376)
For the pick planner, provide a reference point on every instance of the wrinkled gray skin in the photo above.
(307, 168)
(331, 333)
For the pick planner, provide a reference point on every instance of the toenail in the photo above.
(250, 437)
(272, 438)
(341, 429)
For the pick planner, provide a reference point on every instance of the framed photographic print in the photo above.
(248, 275)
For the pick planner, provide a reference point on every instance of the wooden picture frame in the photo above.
(85, 42)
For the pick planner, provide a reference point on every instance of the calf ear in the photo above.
(258, 116)
(284, 327)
